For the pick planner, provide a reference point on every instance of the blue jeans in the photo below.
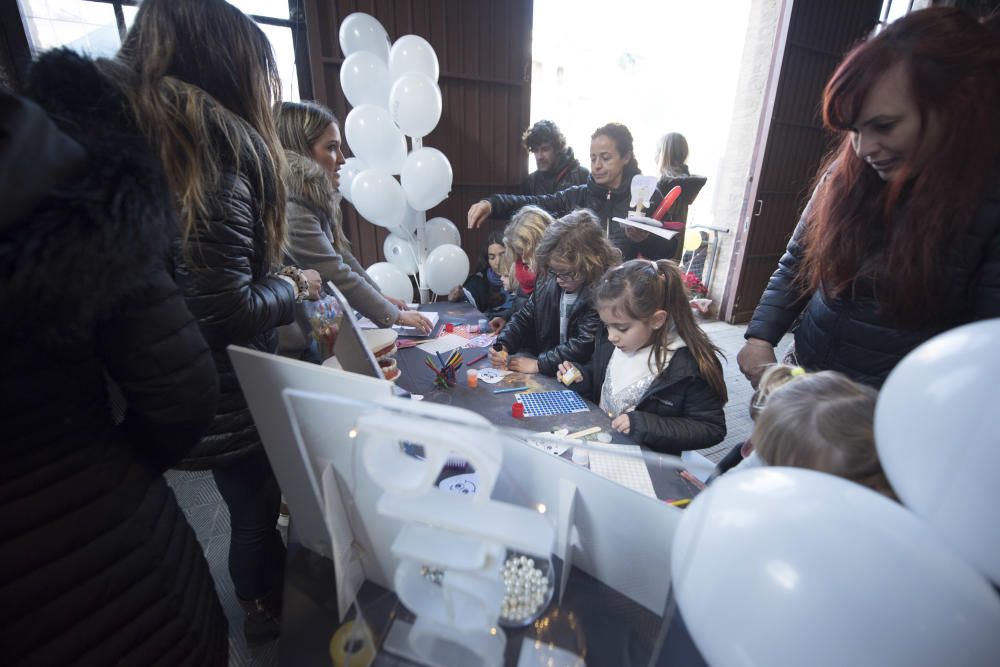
(256, 552)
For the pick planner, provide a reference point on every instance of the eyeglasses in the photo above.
(565, 277)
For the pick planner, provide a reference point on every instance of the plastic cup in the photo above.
(472, 378)
(517, 410)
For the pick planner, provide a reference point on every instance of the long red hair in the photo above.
(954, 68)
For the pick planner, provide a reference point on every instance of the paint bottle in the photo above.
(472, 378)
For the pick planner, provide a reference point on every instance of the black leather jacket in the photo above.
(604, 202)
(679, 411)
(535, 328)
(849, 335)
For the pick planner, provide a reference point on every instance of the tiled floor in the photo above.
(199, 498)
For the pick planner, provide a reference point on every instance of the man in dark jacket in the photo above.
(557, 168)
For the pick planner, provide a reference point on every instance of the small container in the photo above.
(503, 356)
(472, 328)
(517, 410)
(581, 457)
(570, 376)
(472, 378)
(449, 327)
(604, 437)
(484, 326)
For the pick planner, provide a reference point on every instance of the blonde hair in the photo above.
(639, 288)
(578, 241)
(773, 378)
(201, 79)
(823, 421)
(671, 154)
(521, 238)
(299, 126)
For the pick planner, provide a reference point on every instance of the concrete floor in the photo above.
(199, 498)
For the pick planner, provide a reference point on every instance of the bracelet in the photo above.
(297, 275)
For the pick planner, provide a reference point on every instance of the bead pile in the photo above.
(527, 589)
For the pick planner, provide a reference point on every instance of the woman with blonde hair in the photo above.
(202, 79)
(310, 136)
(671, 161)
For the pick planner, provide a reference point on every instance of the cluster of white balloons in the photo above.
(393, 89)
(785, 566)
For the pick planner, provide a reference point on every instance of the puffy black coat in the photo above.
(566, 173)
(604, 202)
(690, 187)
(535, 328)
(237, 300)
(849, 335)
(97, 563)
(679, 411)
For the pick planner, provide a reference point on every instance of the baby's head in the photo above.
(575, 252)
(822, 421)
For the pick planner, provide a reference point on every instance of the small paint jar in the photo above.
(484, 326)
(472, 378)
(570, 376)
(449, 327)
(517, 410)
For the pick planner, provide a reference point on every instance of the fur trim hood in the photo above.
(81, 246)
(307, 183)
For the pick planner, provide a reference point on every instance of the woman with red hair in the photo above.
(901, 239)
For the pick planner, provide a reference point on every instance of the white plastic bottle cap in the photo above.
(580, 456)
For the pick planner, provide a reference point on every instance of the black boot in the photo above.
(263, 619)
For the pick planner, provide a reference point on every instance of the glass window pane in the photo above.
(274, 8)
(284, 53)
(129, 13)
(87, 27)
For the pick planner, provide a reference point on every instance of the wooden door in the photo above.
(818, 35)
(484, 49)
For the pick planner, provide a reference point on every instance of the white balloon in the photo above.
(440, 231)
(374, 138)
(415, 104)
(400, 252)
(363, 32)
(408, 226)
(352, 167)
(445, 268)
(847, 575)
(937, 429)
(365, 80)
(378, 197)
(426, 178)
(391, 281)
(412, 53)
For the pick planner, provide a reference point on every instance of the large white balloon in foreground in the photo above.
(426, 178)
(363, 32)
(937, 427)
(365, 80)
(445, 268)
(412, 53)
(788, 567)
(415, 104)
(391, 281)
(379, 198)
(374, 138)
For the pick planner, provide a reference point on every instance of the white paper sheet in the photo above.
(445, 343)
(658, 231)
(698, 465)
(366, 323)
(629, 470)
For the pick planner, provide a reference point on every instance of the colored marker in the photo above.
(507, 391)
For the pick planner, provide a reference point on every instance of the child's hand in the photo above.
(497, 323)
(621, 423)
(523, 365)
(564, 368)
(498, 358)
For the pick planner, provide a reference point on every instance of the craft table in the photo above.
(593, 621)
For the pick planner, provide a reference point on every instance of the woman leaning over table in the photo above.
(202, 80)
(310, 135)
(901, 239)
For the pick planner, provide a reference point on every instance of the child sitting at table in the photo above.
(822, 421)
(520, 239)
(654, 371)
(485, 283)
(559, 323)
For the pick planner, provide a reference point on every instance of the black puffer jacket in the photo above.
(97, 563)
(679, 411)
(604, 202)
(225, 277)
(848, 334)
(568, 172)
(535, 328)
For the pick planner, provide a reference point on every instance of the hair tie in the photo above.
(797, 371)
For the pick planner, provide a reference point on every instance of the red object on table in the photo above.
(517, 410)
(449, 327)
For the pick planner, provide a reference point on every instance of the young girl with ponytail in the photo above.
(654, 371)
